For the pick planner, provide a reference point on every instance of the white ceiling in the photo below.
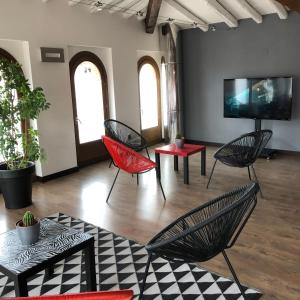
(185, 13)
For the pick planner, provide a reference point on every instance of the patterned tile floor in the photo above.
(120, 264)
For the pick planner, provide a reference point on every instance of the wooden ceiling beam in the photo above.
(120, 6)
(152, 15)
(228, 18)
(188, 14)
(291, 4)
(252, 12)
(279, 9)
(73, 2)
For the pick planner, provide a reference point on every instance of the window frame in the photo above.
(75, 61)
(141, 62)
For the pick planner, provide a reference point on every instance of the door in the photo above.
(90, 106)
(150, 103)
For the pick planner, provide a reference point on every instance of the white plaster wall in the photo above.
(55, 24)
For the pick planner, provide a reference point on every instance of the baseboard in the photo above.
(197, 142)
(57, 175)
(94, 161)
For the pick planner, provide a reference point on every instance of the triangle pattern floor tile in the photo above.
(121, 265)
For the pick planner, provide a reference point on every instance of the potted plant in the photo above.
(19, 146)
(28, 229)
(179, 140)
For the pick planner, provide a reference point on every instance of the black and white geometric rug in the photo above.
(121, 264)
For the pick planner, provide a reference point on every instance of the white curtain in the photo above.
(168, 45)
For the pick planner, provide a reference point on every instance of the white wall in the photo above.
(55, 24)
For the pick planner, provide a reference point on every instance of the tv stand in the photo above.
(266, 152)
(257, 124)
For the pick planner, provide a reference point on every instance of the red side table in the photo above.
(185, 152)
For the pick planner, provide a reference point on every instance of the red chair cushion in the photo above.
(127, 159)
(111, 295)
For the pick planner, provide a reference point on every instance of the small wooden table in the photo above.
(56, 243)
(185, 152)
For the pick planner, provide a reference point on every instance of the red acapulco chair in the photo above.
(109, 295)
(128, 160)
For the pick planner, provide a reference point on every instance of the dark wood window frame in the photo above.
(150, 60)
(7, 55)
(75, 61)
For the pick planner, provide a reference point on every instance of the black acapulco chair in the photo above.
(242, 152)
(125, 135)
(205, 231)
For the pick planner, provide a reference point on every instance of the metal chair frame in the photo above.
(250, 153)
(134, 154)
(243, 206)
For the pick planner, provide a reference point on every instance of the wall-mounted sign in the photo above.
(52, 54)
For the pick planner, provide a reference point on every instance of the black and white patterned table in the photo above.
(57, 242)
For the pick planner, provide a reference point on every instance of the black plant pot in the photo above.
(16, 186)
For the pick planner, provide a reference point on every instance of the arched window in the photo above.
(90, 104)
(150, 102)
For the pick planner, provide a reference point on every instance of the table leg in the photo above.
(157, 160)
(175, 163)
(21, 286)
(90, 269)
(186, 169)
(203, 162)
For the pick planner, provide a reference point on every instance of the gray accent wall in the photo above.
(251, 50)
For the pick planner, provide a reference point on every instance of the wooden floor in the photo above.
(267, 254)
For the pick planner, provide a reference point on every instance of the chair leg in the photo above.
(256, 179)
(249, 174)
(112, 185)
(162, 190)
(147, 152)
(137, 179)
(111, 162)
(211, 173)
(145, 277)
(233, 273)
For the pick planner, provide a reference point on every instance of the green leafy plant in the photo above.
(28, 219)
(18, 105)
(179, 136)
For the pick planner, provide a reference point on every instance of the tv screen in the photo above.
(258, 98)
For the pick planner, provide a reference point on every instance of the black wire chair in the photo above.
(242, 152)
(206, 231)
(125, 135)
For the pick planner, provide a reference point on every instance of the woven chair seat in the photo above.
(206, 230)
(244, 150)
(125, 135)
(127, 159)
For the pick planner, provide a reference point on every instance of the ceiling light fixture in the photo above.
(195, 25)
(170, 20)
(213, 28)
(99, 5)
(140, 15)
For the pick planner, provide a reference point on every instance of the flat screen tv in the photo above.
(258, 98)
